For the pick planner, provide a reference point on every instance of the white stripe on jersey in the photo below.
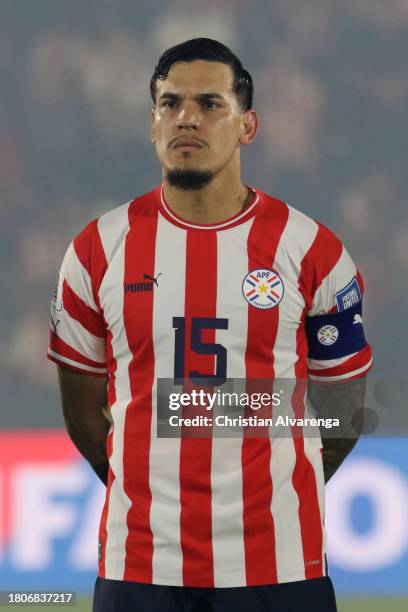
(79, 279)
(338, 277)
(226, 472)
(357, 372)
(79, 338)
(314, 364)
(111, 227)
(76, 364)
(312, 448)
(164, 474)
(289, 255)
(285, 502)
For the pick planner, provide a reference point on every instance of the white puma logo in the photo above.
(357, 319)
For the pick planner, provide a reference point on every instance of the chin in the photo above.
(189, 179)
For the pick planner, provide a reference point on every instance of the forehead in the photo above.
(198, 76)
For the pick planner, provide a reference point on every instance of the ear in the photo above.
(153, 132)
(249, 127)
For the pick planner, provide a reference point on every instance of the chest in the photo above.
(203, 293)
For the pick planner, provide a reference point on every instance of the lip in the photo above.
(187, 147)
(184, 144)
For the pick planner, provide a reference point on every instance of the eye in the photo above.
(170, 103)
(210, 104)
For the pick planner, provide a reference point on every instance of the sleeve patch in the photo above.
(56, 297)
(349, 296)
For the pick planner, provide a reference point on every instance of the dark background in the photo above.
(331, 87)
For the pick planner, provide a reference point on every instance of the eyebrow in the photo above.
(202, 96)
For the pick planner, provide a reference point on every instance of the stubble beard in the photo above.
(189, 179)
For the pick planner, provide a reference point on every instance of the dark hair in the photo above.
(211, 51)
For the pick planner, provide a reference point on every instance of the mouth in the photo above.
(185, 145)
(187, 148)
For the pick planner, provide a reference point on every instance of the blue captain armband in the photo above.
(335, 335)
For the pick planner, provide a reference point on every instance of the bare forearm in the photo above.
(91, 443)
(84, 403)
(344, 401)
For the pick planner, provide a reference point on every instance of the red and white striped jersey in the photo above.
(204, 512)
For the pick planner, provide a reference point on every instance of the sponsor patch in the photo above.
(263, 288)
(349, 296)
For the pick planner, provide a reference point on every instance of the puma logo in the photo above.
(142, 286)
(152, 278)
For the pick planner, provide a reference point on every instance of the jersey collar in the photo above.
(240, 217)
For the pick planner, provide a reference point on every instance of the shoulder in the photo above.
(300, 227)
(101, 235)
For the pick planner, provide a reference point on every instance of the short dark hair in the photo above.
(211, 51)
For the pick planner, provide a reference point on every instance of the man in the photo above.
(206, 277)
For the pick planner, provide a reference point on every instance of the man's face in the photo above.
(197, 121)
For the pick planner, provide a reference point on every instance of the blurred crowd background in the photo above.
(331, 87)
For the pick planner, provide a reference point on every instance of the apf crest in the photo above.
(263, 288)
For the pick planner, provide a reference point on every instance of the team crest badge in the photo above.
(263, 288)
(327, 335)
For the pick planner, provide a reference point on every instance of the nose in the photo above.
(188, 116)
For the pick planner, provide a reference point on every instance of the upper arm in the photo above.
(82, 393)
(77, 326)
(78, 344)
(338, 349)
(84, 404)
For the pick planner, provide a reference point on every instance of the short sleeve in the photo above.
(77, 329)
(337, 347)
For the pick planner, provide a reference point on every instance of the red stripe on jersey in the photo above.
(259, 528)
(138, 322)
(195, 453)
(81, 312)
(356, 362)
(318, 262)
(65, 350)
(89, 250)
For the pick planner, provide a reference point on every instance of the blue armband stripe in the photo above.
(335, 335)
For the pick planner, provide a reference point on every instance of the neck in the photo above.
(223, 198)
